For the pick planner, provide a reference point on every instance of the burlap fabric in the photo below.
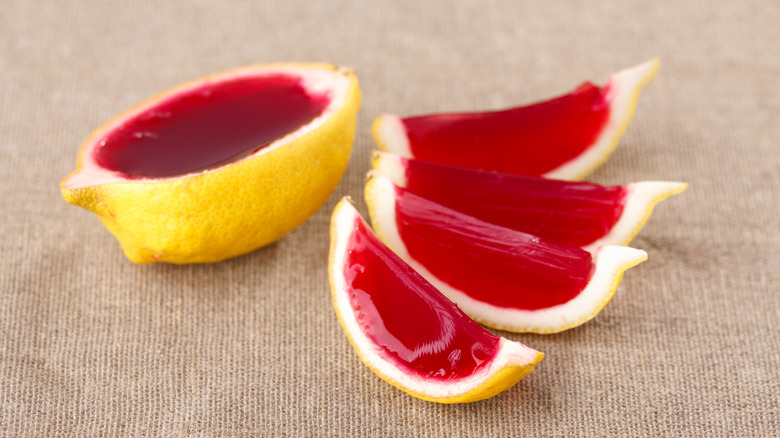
(93, 345)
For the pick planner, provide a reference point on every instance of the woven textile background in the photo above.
(93, 345)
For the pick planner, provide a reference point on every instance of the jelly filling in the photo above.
(416, 326)
(208, 126)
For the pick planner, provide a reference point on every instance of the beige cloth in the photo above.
(93, 345)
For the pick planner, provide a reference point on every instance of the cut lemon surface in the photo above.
(504, 279)
(406, 331)
(575, 213)
(565, 138)
(222, 165)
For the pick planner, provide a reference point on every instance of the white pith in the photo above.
(509, 353)
(392, 134)
(610, 262)
(624, 89)
(391, 166)
(641, 198)
(319, 81)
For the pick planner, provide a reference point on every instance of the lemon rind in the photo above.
(315, 78)
(610, 264)
(642, 198)
(625, 87)
(231, 210)
(390, 133)
(391, 166)
(511, 362)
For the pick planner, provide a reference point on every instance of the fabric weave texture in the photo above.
(93, 345)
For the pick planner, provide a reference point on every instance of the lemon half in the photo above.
(234, 207)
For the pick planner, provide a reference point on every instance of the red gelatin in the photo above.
(413, 323)
(209, 126)
(493, 264)
(573, 213)
(532, 140)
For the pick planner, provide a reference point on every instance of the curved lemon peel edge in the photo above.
(390, 135)
(613, 262)
(647, 71)
(169, 92)
(501, 380)
(390, 165)
(643, 196)
(651, 204)
(637, 211)
(605, 298)
(177, 236)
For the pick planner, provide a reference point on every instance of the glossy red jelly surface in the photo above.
(209, 126)
(529, 140)
(417, 326)
(492, 264)
(574, 213)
